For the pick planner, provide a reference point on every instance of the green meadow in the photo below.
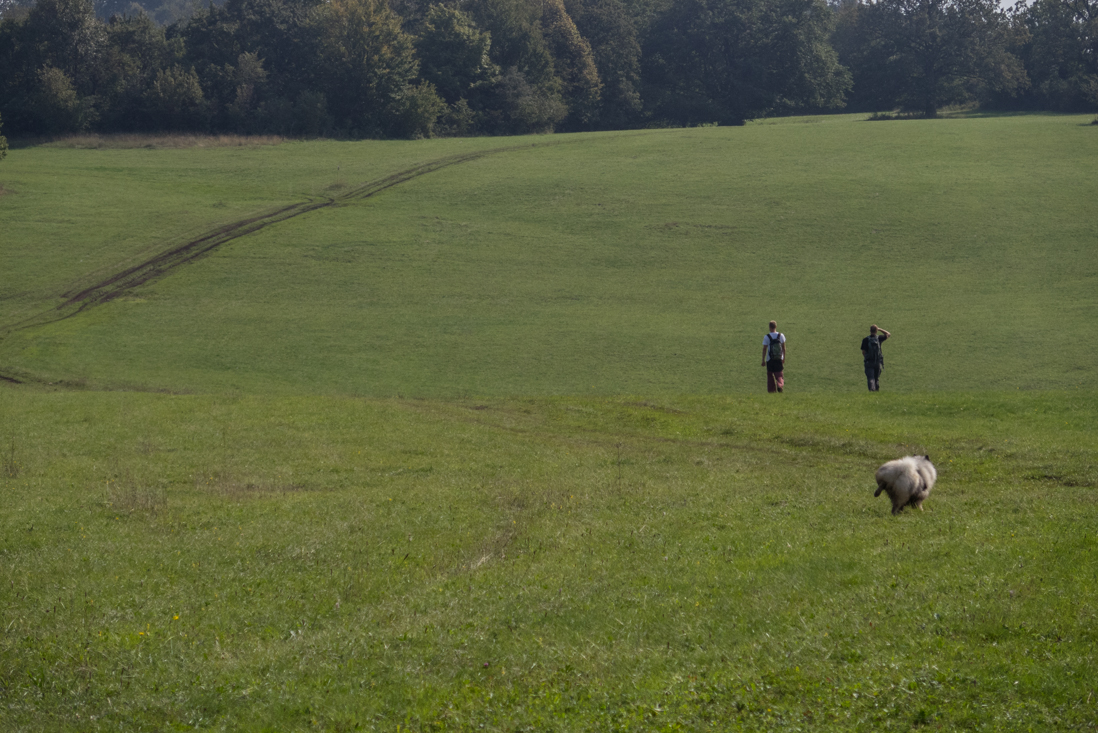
(472, 434)
(630, 263)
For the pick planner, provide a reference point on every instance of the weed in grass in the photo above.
(233, 485)
(8, 463)
(127, 496)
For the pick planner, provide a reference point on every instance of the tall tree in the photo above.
(730, 60)
(51, 66)
(175, 100)
(256, 60)
(1061, 54)
(526, 97)
(609, 28)
(857, 42)
(276, 31)
(573, 62)
(517, 39)
(137, 48)
(455, 57)
(69, 37)
(454, 53)
(369, 70)
(56, 104)
(17, 72)
(939, 52)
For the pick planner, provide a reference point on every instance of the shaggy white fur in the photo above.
(907, 481)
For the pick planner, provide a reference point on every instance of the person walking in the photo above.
(774, 358)
(874, 357)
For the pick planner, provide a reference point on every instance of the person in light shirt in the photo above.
(774, 358)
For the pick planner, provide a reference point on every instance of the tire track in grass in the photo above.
(159, 265)
(117, 284)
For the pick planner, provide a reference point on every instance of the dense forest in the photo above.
(407, 68)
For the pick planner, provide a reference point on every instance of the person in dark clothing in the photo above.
(774, 358)
(874, 357)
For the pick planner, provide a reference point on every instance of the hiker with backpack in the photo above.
(774, 358)
(874, 357)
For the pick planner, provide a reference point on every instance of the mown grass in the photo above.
(636, 263)
(250, 563)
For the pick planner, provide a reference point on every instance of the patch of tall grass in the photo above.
(124, 141)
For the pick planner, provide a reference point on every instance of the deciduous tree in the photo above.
(1061, 54)
(526, 97)
(369, 70)
(454, 53)
(573, 62)
(175, 100)
(136, 49)
(68, 37)
(727, 61)
(938, 52)
(615, 48)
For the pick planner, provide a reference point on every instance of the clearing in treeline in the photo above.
(472, 433)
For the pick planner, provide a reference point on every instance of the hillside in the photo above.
(471, 435)
(644, 262)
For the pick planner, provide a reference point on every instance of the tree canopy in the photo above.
(414, 68)
(1060, 55)
(925, 54)
(729, 60)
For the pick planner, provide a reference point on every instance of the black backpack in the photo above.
(873, 350)
(775, 347)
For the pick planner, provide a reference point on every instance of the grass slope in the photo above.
(484, 450)
(73, 213)
(638, 263)
(249, 563)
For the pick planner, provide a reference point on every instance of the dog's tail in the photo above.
(880, 488)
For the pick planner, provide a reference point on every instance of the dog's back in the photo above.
(900, 475)
(907, 480)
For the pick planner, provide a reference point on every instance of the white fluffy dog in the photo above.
(907, 481)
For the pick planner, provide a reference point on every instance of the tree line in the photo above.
(408, 68)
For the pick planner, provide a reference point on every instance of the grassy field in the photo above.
(250, 563)
(636, 263)
(473, 438)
